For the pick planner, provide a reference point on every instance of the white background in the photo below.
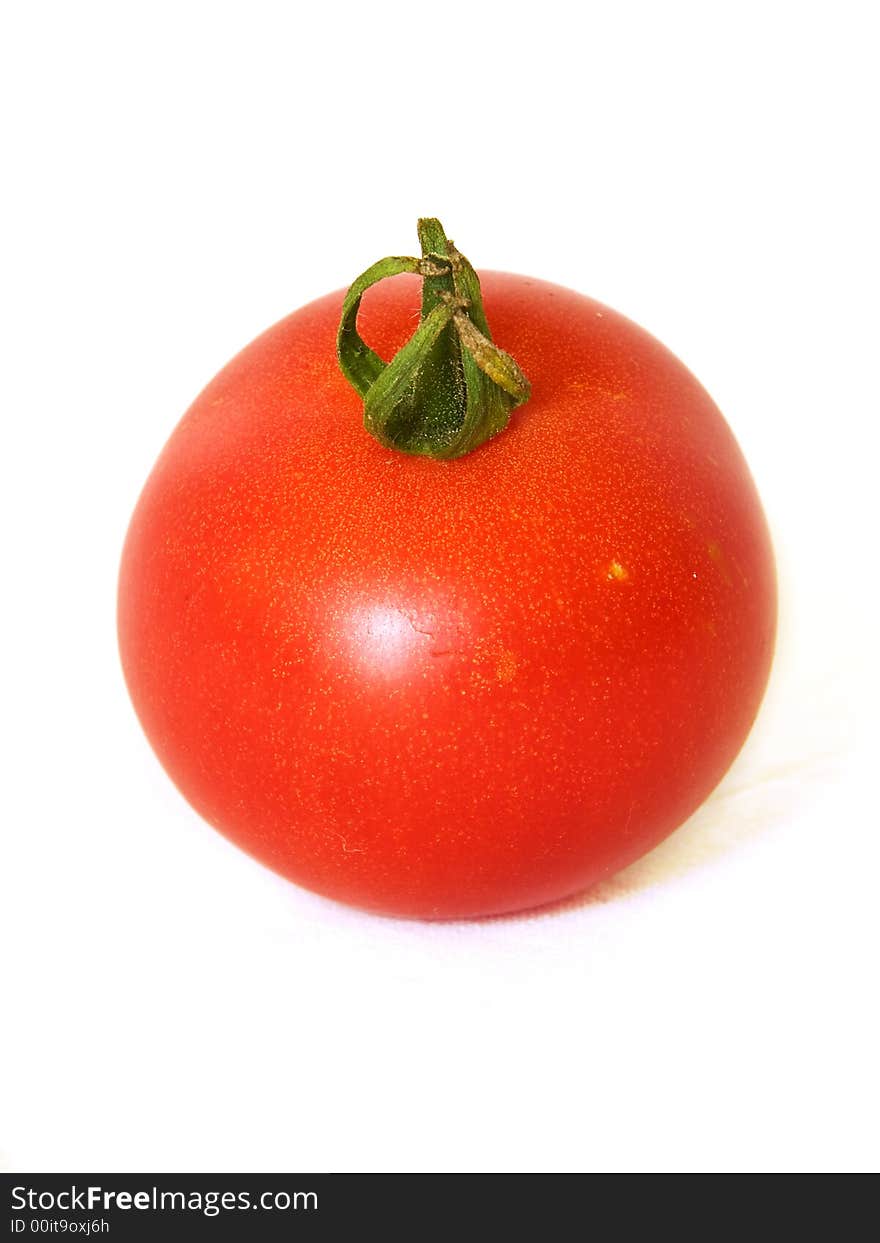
(177, 177)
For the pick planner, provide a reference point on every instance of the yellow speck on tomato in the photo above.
(716, 554)
(505, 667)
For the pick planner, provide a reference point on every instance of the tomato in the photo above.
(450, 688)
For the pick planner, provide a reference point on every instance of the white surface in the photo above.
(177, 178)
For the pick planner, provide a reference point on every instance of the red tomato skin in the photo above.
(450, 689)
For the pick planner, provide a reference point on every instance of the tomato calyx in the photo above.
(450, 388)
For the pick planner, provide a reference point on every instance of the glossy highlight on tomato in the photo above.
(448, 689)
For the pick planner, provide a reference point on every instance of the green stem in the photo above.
(450, 387)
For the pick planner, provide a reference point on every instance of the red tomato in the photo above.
(450, 688)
